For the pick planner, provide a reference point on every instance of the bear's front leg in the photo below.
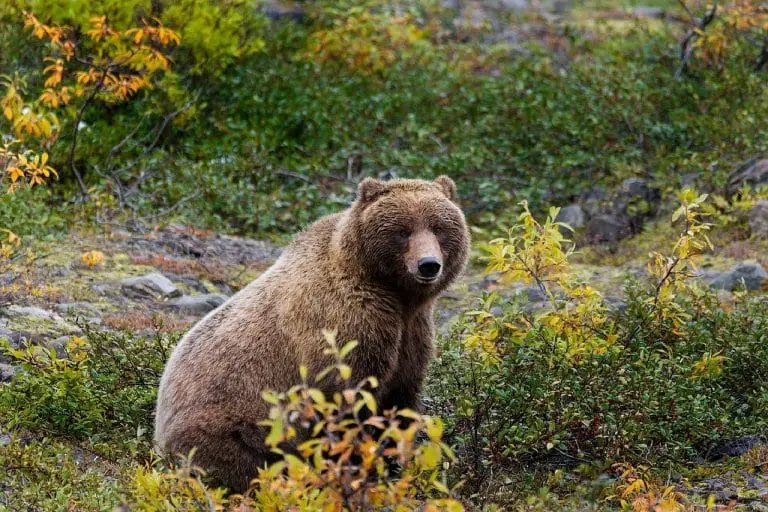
(416, 347)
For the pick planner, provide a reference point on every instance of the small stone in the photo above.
(7, 371)
(7, 278)
(59, 345)
(198, 304)
(150, 286)
(615, 304)
(5, 439)
(758, 219)
(534, 294)
(751, 274)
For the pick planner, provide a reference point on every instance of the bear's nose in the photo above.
(429, 267)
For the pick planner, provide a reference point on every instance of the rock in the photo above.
(753, 172)
(7, 371)
(41, 321)
(59, 345)
(101, 289)
(454, 5)
(216, 248)
(7, 278)
(593, 200)
(634, 188)
(192, 283)
(752, 274)
(149, 286)
(607, 228)
(615, 304)
(636, 200)
(489, 282)
(30, 312)
(648, 12)
(573, 215)
(61, 272)
(198, 304)
(84, 309)
(514, 4)
(534, 294)
(279, 12)
(5, 439)
(623, 215)
(734, 447)
(758, 219)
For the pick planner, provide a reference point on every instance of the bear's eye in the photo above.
(404, 233)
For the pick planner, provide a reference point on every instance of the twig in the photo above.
(96, 88)
(297, 176)
(763, 59)
(686, 46)
(173, 207)
(167, 119)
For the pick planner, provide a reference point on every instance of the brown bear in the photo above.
(371, 272)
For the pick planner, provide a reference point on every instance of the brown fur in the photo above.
(353, 272)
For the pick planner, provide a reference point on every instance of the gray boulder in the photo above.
(152, 285)
(607, 228)
(198, 304)
(758, 219)
(623, 215)
(573, 215)
(752, 274)
(753, 172)
(636, 200)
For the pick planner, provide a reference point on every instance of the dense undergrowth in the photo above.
(270, 124)
(258, 127)
(603, 392)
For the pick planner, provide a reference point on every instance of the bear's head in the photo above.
(409, 234)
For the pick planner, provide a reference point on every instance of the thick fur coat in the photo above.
(371, 272)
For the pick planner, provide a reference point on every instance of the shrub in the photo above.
(337, 454)
(664, 378)
(104, 387)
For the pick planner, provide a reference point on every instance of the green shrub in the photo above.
(103, 389)
(662, 379)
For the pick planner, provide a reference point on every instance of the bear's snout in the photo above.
(424, 257)
(429, 268)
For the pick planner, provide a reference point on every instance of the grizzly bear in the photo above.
(371, 272)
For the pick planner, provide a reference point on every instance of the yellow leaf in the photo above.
(92, 258)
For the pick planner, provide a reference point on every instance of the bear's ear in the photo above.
(369, 189)
(448, 187)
